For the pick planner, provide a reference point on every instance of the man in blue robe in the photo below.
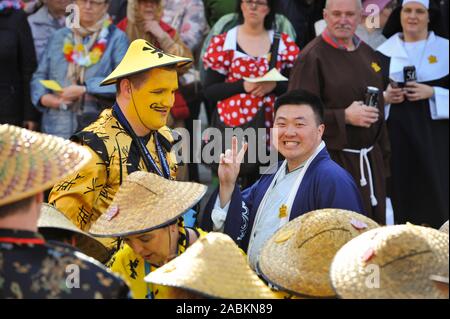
(307, 180)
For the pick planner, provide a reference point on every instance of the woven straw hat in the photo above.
(444, 228)
(32, 162)
(142, 56)
(53, 219)
(214, 267)
(144, 202)
(392, 262)
(298, 256)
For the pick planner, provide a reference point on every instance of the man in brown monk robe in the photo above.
(339, 68)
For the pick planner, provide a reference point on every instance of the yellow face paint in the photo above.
(150, 104)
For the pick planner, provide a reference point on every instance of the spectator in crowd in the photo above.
(44, 22)
(339, 68)
(143, 21)
(302, 14)
(418, 113)
(31, 6)
(188, 18)
(213, 267)
(375, 15)
(78, 58)
(245, 51)
(216, 9)
(130, 136)
(117, 10)
(307, 180)
(17, 64)
(151, 227)
(30, 267)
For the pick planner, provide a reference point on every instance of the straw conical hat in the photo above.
(142, 56)
(214, 267)
(51, 218)
(32, 162)
(144, 202)
(391, 262)
(298, 256)
(444, 228)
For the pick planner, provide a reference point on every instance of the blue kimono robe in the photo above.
(325, 185)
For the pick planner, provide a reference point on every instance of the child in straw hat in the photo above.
(30, 267)
(130, 136)
(151, 226)
(200, 272)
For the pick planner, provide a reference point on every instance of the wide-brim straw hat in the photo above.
(297, 258)
(32, 162)
(52, 219)
(142, 56)
(444, 228)
(144, 202)
(393, 262)
(213, 267)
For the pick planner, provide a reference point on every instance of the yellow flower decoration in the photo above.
(79, 47)
(432, 59)
(94, 58)
(76, 53)
(375, 67)
(68, 47)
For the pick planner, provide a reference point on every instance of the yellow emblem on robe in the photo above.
(375, 67)
(283, 211)
(432, 59)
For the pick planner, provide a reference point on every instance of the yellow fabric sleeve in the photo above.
(76, 196)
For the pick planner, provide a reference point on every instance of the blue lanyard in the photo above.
(147, 157)
(149, 289)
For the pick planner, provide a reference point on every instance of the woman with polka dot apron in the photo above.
(245, 52)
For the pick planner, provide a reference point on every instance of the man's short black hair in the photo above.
(302, 97)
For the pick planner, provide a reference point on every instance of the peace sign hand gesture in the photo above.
(229, 167)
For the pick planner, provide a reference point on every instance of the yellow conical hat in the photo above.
(142, 56)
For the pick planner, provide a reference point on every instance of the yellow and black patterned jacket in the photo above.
(85, 195)
(31, 268)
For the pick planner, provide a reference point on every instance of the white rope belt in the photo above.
(363, 158)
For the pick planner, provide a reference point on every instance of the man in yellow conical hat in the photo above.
(130, 136)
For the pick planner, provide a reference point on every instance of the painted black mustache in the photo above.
(158, 108)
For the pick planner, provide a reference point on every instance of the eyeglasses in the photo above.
(93, 3)
(255, 4)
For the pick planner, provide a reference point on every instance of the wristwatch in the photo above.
(63, 107)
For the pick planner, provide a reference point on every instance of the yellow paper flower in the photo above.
(94, 58)
(79, 47)
(68, 47)
(432, 59)
(376, 67)
(96, 51)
